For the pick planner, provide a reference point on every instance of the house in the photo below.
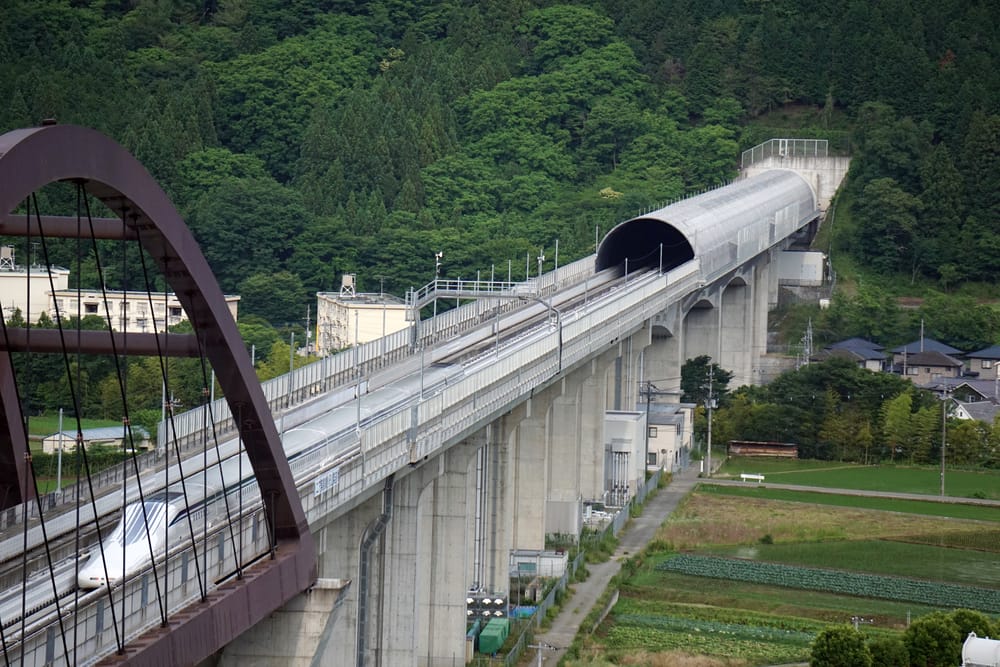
(930, 367)
(104, 435)
(668, 432)
(864, 353)
(983, 362)
(902, 353)
(984, 411)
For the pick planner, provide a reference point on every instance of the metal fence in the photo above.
(782, 148)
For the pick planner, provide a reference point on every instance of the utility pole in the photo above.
(710, 404)
(944, 431)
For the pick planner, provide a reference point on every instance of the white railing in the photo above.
(782, 148)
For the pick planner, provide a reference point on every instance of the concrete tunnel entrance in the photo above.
(639, 241)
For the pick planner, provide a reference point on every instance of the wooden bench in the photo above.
(747, 476)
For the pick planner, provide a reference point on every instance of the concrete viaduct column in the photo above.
(735, 341)
(665, 354)
(760, 309)
(444, 562)
(593, 399)
(318, 625)
(701, 331)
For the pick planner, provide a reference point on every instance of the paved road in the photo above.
(631, 540)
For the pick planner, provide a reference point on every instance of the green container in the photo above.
(493, 636)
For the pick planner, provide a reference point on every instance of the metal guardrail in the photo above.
(782, 148)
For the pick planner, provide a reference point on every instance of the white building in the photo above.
(29, 290)
(129, 311)
(345, 318)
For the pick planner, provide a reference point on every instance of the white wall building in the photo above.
(345, 318)
(29, 290)
(129, 311)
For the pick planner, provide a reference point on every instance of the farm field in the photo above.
(667, 616)
(898, 478)
(924, 507)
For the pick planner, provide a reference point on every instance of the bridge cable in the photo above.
(210, 416)
(10, 355)
(135, 461)
(164, 368)
(77, 407)
(30, 469)
(128, 439)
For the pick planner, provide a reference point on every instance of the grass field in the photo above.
(925, 507)
(669, 618)
(903, 479)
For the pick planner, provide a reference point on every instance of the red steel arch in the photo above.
(32, 158)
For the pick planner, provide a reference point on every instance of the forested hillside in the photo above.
(306, 139)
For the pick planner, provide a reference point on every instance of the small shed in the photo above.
(104, 435)
(784, 450)
(980, 651)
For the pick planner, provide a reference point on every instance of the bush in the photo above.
(889, 652)
(968, 621)
(934, 641)
(841, 646)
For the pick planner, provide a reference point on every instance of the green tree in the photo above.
(840, 646)
(276, 297)
(969, 620)
(243, 227)
(258, 335)
(701, 376)
(934, 640)
(888, 219)
(888, 652)
(556, 33)
(896, 425)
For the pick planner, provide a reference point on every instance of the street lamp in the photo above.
(437, 263)
(541, 258)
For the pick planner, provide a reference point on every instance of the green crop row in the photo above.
(646, 607)
(726, 630)
(634, 637)
(850, 583)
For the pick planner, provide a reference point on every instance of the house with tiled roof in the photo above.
(930, 367)
(984, 362)
(984, 411)
(864, 353)
(901, 354)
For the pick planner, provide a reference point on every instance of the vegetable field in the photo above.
(851, 583)
(751, 580)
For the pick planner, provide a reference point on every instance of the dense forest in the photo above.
(303, 139)
(311, 138)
